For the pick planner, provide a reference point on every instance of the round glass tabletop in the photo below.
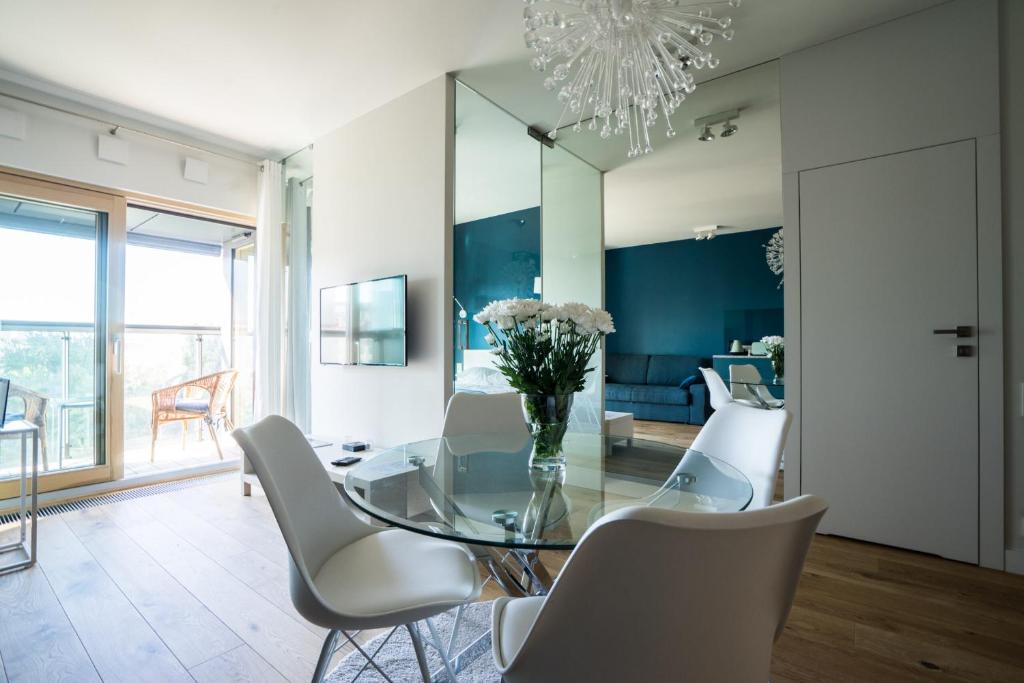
(479, 488)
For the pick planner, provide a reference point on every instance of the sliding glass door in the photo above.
(60, 333)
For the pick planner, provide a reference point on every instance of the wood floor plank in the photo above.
(122, 646)
(185, 625)
(286, 644)
(213, 541)
(241, 665)
(37, 641)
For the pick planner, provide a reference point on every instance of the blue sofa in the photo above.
(666, 388)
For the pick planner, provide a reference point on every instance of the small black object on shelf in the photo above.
(355, 446)
(347, 460)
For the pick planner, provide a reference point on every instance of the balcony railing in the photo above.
(57, 360)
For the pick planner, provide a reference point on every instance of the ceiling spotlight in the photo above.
(707, 135)
(729, 128)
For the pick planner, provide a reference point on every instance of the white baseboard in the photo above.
(1015, 560)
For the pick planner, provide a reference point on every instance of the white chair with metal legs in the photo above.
(484, 414)
(752, 441)
(468, 414)
(660, 595)
(745, 379)
(347, 575)
(718, 393)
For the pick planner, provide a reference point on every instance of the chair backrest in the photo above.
(656, 595)
(718, 392)
(749, 439)
(743, 372)
(35, 404)
(221, 390)
(314, 519)
(500, 413)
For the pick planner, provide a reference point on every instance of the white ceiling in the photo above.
(269, 76)
(734, 181)
(264, 76)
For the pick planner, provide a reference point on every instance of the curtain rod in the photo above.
(118, 126)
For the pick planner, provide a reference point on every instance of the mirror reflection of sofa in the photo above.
(657, 387)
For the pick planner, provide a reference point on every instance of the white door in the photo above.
(889, 410)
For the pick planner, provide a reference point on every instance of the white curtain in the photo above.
(270, 260)
(297, 364)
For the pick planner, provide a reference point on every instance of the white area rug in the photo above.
(398, 659)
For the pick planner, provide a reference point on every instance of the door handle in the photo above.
(118, 354)
(961, 331)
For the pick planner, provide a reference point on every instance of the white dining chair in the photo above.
(744, 379)
(718, 393)
(661, 595)
(347, 575)
(751, 440)
(470, 413)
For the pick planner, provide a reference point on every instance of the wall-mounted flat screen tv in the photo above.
(363, 323)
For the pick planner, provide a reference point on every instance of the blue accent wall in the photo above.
(495, 258)
(692, 297)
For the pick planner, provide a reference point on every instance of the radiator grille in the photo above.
(119, 496)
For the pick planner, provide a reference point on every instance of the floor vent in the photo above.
(119, 496)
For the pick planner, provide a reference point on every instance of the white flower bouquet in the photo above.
(542, 348)
(776, 347)
(544, 351)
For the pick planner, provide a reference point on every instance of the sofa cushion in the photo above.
(626, 368)
(620, 392)
(660, 394)
(671, 370)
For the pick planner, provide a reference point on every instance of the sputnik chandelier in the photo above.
(619, 62)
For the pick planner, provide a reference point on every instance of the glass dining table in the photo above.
(478, 489)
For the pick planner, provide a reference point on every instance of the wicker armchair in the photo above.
(204, 398)
(34, 412)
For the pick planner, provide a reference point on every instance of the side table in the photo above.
(21, 554)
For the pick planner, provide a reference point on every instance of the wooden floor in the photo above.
(192, 585)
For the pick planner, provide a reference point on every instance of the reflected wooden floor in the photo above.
(192, 586)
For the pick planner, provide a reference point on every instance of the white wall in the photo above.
(65, 145)
(1011, 24)
(888, 89)
(383, 207)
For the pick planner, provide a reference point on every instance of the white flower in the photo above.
(506, 322)
(603, 321)
(549, 313)
(487, 314)
(490, 339)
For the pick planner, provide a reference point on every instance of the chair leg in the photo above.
(153, 429)
(326, 653)
(213, 435)
(439, 646)
(421, 655)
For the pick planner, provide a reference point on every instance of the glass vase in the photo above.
(548, 415)
(778, 366)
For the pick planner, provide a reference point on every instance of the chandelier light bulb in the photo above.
(622, 62)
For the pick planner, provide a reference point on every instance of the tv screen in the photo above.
(363, 323)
